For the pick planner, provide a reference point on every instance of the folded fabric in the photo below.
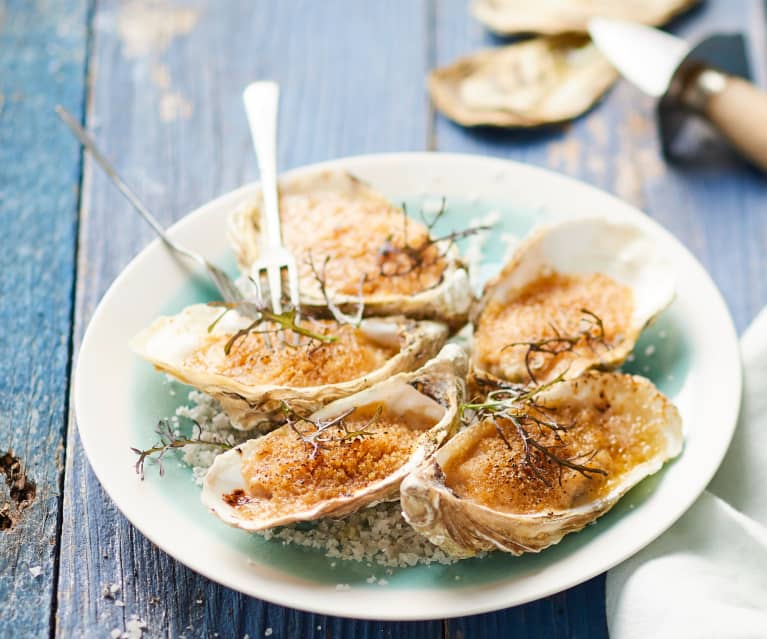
(707, 576)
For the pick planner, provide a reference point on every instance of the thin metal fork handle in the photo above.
(261, 102)
(90, 144)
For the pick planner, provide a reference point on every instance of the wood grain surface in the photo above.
(42, 59)
(163, 99)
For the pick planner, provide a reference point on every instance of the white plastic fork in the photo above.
(261, 100)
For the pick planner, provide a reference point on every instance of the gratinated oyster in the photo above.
(346, 235)
(220, 356)
(575, 295)
(530, 83)
(508, 17)
(352, 453)
(531, 470)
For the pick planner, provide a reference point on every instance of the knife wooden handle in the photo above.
(739, 110)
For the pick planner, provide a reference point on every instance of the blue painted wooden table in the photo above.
(159, 85)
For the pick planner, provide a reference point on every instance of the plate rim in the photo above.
(452, 609)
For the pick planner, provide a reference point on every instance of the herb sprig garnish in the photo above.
(415, 255)
(338, 315)
(532, 422)
(591, 333)
(286, 321)
(325, 431)
(168, 441)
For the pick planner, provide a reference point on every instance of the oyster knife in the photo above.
(661, 64)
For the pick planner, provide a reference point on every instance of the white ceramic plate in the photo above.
(691, 350)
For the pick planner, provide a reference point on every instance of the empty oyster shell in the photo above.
(507, 17)
(299, 472)
(481, 492)
(576, 295)
(538, 81)
(252, 380)
(333, 216)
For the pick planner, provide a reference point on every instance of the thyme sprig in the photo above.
(325, 431)
(415, 255)
(170, 440)
(533, 422)
(591, 333)
(286, 321)
(338, 315)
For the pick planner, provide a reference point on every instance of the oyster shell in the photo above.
(333, 216)
(480, 493)
(252, 381)
(282, 478)
(576, 295)
(507, 17)
(530, 83)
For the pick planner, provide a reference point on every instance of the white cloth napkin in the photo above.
(707, 576)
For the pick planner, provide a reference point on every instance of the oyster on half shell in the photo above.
(339, 228)
(538, 81)
(575, 295)
(481, 491)
(508, 17)
(350, 454)
(252, 380)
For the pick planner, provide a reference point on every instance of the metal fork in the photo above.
(225, 285)
(261, 100)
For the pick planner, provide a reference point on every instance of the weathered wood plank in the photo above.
(166, 107)
(42, 57)
(717, 212)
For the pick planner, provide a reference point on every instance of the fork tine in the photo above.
(293, 288)
(260, 292)
(273, 273)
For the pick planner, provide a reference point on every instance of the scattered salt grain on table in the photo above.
(35, 571)
(109, 591)
(134, 629)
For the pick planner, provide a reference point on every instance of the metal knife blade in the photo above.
(645, 56)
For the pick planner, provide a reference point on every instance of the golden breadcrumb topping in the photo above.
(549, 306)
(284, 473)
(360, 237)
(252, 361)
(608, 432)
